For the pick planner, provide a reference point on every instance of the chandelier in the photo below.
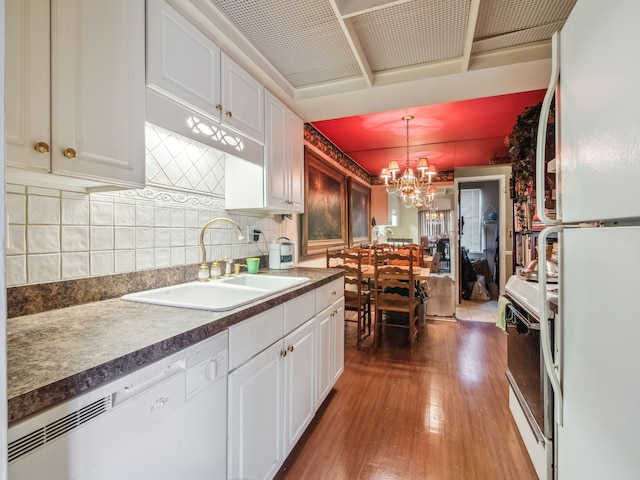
(415, 191)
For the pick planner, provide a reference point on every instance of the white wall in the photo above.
(58, 235)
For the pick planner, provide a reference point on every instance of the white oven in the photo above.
(530, 392)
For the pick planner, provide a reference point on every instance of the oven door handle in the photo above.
(523, 319)
(545, 335)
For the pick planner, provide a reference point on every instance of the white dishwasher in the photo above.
(165, 421)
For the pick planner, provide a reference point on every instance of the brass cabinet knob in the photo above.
(219, 107)
(283, 353)
(42, 147)
(290, 348)
(69, 153)
(229, 114)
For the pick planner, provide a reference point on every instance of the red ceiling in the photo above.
(451, 135)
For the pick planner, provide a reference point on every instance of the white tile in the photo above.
(192, 236)
(192, 218)
(125, 261)
(43, 210)
(75, 265)
(75, 238)
(43, 268)
(177, 237)
(75, 212)
(75, 195)
(125, 238)
(192, 255)
(101, 238)
(178, 255)
(16, 270)
(48, 192)
(16, 240)
(13, 188)
(100, 213)
(144, 215)
(16, 208)
(178, 217)
(43, 239)
(162, 257)
(145, 258)
(144, 237)
(102, 263)
(124, 214)
(162, 237)
(162, 217)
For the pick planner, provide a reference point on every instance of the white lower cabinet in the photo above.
(255, 416)
(299, 383)
(330, 334)
(274, 382)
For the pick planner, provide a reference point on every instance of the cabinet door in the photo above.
(337, 350)
(295, 154)
(276, 174)
(27, 99)
(324, 336)
(299, 382)
(98, 89)
(242, 100)
(255, 412)
(182, 63)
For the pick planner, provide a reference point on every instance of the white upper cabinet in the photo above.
(182, 62)
(284, 158)
(188, 67)
(75, 93)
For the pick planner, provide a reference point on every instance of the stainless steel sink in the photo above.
(218, 295)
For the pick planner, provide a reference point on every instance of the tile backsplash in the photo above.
(59, 235)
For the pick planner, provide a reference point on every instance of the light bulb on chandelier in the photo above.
(415, 191)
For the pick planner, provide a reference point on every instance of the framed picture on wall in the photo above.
(359, 212)
(324, 222)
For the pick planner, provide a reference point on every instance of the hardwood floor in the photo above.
(438, 413)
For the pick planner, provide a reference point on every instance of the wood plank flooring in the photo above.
(438, 413)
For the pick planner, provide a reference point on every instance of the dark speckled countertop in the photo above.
(55, 355)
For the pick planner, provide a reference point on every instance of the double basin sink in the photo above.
(217, 295)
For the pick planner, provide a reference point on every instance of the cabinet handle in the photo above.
(290, 348)
(219, 107)
(69, 153)
(333, 293)
(42, 147)
(283, 353)
(229, 114)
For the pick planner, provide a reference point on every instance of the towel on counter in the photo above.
(502, 313)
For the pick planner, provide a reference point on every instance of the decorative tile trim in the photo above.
(319, 141)
(175, 197)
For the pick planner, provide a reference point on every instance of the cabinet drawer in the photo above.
(250, 337)
(329, 293)
(298, 311)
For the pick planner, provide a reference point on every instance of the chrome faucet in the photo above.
(203, 271)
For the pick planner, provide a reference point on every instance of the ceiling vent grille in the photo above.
(413, 33)
(303, 40)
(55, 429)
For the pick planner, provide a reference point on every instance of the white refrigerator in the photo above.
(594, 363)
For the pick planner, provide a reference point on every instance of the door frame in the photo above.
(502, 208)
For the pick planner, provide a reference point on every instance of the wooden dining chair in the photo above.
(395, 293)
(415, 251)
(357, 296)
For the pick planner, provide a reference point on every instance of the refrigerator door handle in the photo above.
(545, 335)
(542, 133)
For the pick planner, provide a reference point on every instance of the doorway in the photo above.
(479, 240)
